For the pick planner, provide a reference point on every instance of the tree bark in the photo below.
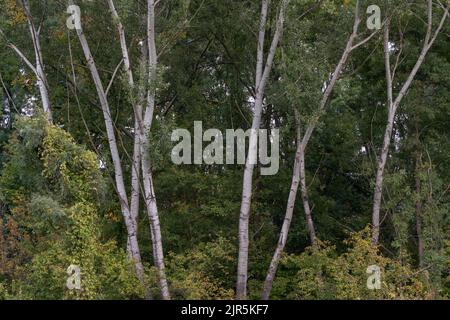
(392, 108)
(299, 172)
(287, 220)
(149, 191)
(38, 69)
(262, 75)
(137, 109)
(119, 182)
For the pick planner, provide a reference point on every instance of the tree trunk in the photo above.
(40, 74)
(286, 223)
(299, 173)
(137, 109)
(119, 183)
(262, 75)
(305, 198)
(379, 179)
(323, 103)
(392, 108)
(149, 191)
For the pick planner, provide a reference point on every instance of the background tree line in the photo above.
(86, 176)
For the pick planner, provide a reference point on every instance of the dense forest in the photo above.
(116, 116)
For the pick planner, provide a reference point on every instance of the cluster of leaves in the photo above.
(322, 273)
(204, 272)
(55, 212)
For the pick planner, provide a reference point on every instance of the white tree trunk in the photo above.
(39, 69)
(287, 220)
(149, 191)
(312, 125)
(299, 172)
(262, 75)
(392, 108)
(119, 182)
(137, 109)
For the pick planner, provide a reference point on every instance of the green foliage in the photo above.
(58, 205)
(62, 218)
(322, 273)
(70, 168)
(203, 272)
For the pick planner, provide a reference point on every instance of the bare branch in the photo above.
(113, 77)
(273, 47)
(426, 47)
(24, 58)
(335, 75)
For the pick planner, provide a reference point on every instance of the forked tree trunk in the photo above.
(392, 109)
(287, 220)
(137, 110)
(149, 191)
(262, 75)
(141, 150)
(38, 69)
(323, 103)
(305, 198)
(119, 182)
(299, 172)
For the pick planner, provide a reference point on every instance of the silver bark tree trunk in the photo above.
(392, 106)
(299, 172)
(262, 75)
(119, 181)
(287, 219)
(137, 109)
(149, 191)
(41, 77)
